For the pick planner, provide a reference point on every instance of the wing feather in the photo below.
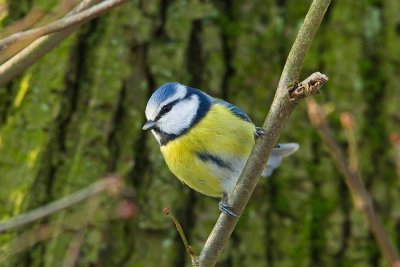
(234, 109)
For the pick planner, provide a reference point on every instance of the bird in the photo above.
(205, 141)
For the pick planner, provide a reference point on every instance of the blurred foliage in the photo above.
(76, 115)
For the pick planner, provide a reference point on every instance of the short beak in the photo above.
(149, 125)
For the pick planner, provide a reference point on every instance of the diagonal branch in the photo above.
(36, 50)
(361, 198)
(110, 184)
(24, 23)
(282, 106)
(26, 37)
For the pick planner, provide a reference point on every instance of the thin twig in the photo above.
(27, 37)
(395, 139)
(26, 22)
(24, 241)
(348, 124)
(32, 53)
(277, 117)
(38, 16)
(112, 183)
(178, 226)
(361, 198)
(75, 246)
(73, 222)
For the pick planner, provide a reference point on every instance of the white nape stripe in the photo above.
(180, 93)
(180, 117)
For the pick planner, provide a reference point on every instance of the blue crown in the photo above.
(163, 92)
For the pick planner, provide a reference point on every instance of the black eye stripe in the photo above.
(164, 111)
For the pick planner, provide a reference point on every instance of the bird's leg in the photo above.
(258, 132)
(225, 208)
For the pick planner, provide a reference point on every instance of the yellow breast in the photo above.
(219, 133)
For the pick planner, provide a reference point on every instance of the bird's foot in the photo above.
(225, 208)
(258, 132)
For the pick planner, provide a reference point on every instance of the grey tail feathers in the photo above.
(275, 159)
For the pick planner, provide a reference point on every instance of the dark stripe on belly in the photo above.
(214, 159)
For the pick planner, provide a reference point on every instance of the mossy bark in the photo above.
(77, 115)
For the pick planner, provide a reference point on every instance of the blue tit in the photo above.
(205, 141)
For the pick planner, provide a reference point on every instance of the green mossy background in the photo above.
(76, 116)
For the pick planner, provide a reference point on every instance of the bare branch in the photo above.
(31, 54)
(26, 37)
(111, 183)
(72, 254)
(80, 220)
(37, 15)
(26, 22)
(361, 198)
(277, 117)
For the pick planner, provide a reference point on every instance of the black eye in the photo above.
(166, 108)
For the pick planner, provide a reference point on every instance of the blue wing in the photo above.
(234, 109)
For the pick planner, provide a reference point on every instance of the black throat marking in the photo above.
(202, 110)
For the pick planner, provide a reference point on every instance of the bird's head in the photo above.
(173, 109)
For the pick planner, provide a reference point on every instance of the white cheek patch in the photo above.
(180, 117)
(152, 111)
